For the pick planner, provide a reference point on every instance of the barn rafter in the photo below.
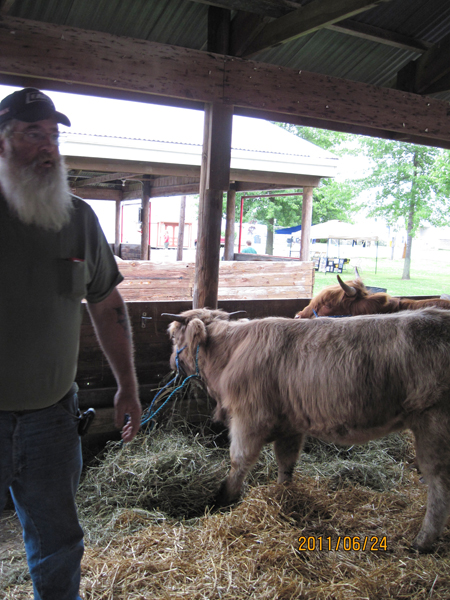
(302, 21)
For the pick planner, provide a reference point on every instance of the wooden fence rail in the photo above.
(246, 280)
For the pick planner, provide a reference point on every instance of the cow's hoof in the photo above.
(420, 547)
(222, 499)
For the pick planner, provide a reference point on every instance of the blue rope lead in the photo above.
(148, 414)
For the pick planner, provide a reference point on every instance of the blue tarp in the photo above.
(289, 230)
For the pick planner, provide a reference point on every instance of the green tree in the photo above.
(441, 173)
(284, 211)
(334, 141)
(405, 187)
(333, 199)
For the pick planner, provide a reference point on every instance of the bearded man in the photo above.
(54, 255)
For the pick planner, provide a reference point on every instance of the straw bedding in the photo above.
(150, 535)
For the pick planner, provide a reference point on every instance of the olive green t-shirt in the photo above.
(44, 276)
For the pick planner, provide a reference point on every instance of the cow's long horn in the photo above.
(178, 318)
(348, 289)
(357, 275)
(237, 312)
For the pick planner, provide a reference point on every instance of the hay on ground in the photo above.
(149, 533)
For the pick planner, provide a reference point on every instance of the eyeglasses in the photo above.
(39, 137)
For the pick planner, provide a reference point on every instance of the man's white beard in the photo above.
(37, 198)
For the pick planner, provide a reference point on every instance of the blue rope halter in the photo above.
(148, 415)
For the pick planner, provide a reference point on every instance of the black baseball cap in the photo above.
(30, 105)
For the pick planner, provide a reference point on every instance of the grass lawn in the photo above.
(430, 273)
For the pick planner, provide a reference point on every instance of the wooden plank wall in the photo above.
(146, 280)
(265, 279)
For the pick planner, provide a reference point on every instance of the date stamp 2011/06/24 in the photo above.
(346, 543)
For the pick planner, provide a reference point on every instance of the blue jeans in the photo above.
(40, 462)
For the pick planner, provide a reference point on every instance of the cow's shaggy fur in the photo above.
(343, 380)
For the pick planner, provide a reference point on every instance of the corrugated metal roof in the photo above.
(174, 22)
(333, 53)
(423, 20)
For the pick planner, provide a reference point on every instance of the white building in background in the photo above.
(434, 238)
(164, 215)
(112, 129)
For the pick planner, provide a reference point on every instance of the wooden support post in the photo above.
(270, 233)
(306, 222)
(219, 23)
(229, 230)
(216, 163)
(181, 228)
(146, 186)
(117, 227)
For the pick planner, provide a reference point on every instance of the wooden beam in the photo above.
(218, 30)
(380, 36)
(433, 67)
(46, 52)
(246, 26)
(217, 176)
(191, 189)
(280, 179)
(230, 221)
(96, 193)
(170, 186)
(146, 187)
(305, 20)
(306, 222)
(181, 228)
(255, 186)
(344, 127)
(244, 29)
(117, 227)
(6, 5)
(272, 8)
(186, 189)
(166, 182)
(442, 85)
(301, 93)
(91, 181)
(207, 261)
(70, 87)
(217, 147)
(430, 74)
(138, 167)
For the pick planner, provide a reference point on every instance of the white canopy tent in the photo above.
(339, 230)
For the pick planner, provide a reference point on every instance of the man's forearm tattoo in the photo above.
(123, 320)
